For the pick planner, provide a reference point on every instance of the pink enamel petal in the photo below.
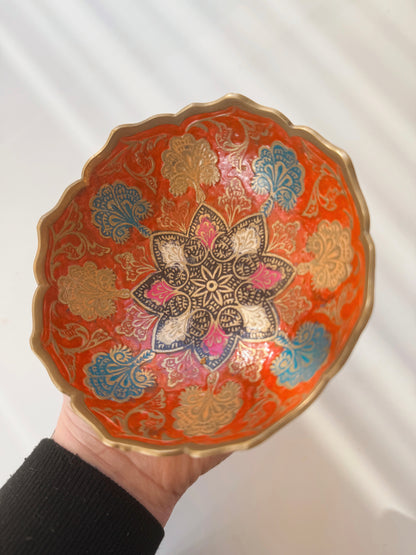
(265, 278)
(160, 292)
(215, 341)
(206, 231)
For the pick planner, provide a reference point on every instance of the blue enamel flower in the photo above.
(278, 173)
(118, 375)
(117, 208)
(302, 357)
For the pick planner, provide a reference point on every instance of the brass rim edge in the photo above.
(77, 397)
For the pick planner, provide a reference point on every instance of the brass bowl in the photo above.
(203, 281)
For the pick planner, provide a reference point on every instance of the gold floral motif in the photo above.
(189, 163)
(234, 199)
(135, 263)
(248, 362)
(90, 292)
(70, 242)
(174, 215)
(137, 323)
(292, 305)
(180, 367)
(331, 245)
(203, 412)
(284, 236)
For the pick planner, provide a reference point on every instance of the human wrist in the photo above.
(128, 470)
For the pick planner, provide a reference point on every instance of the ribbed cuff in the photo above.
(58, 503)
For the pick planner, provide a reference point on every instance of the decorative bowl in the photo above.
(203, 281)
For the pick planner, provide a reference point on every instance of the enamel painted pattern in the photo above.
(204, 280)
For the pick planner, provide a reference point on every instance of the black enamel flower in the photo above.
(213, 286)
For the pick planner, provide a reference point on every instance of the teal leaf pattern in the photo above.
(302, 357)
(118, 375)
(117, 208)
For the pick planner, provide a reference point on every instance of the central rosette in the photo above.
(214, 286)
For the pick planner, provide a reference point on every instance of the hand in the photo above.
(156, 482)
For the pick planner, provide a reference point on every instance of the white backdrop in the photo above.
(341, 478)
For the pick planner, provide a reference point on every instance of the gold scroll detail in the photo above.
(327, 187)
(268, 408)
(145, 419)
(264, 410)
(70, 242)
(224, 137)
(331, 246)
(89, 292)
(204, 412)
(135, 158)
(333, 308)
(78, 340)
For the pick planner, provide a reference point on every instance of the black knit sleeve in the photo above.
(57, 503)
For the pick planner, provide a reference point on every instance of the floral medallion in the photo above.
(215, 286)
(203, 281)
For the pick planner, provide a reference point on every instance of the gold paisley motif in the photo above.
(135, 263)
(331, 245)
(137, 323)
(180, 367)
(189, 163)
(248, 362)
(89, 292)
(292, 305)
(174, 215)
(203, 412)
(284, 236)
(234, 199)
